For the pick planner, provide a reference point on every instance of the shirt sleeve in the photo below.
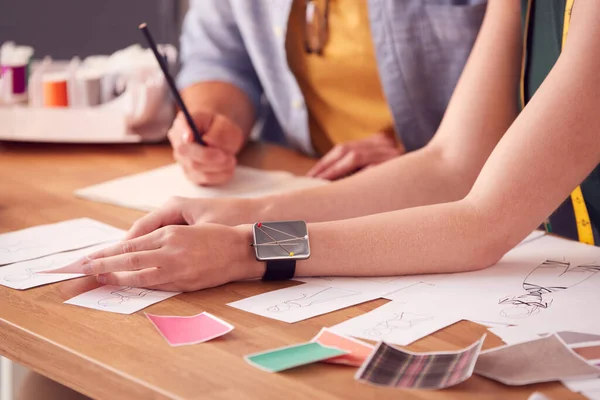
(212, 49)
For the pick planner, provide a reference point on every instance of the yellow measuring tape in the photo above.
(582, 218)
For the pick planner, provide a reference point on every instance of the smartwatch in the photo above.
(279, 244)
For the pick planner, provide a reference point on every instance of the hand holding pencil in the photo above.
(204, 144)
(213, 164)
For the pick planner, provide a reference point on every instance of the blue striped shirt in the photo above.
(421, 47)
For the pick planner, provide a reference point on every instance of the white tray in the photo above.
(72, 126)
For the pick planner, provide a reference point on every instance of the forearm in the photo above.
(549, 150)
(418, 178)
(221, 98)
(482, 108)
(449, 237)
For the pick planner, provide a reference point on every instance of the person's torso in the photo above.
(544, 20)
(340, 84)
(420, 46)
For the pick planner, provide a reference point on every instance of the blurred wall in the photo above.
(66, 28)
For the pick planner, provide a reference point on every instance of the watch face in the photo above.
(281, 240)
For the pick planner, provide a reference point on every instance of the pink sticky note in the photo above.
(181, 331)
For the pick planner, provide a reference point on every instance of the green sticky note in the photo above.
(293, 356)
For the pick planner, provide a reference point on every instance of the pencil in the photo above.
(164, 67)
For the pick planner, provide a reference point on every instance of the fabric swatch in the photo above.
(358, 351)
(180, 331)
(541, 360)
(292, 356)
(392, 367)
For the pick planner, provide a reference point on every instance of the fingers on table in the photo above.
(346, 159)
(169, 214)
(153, 278)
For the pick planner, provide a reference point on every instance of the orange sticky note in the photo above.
(358, 351)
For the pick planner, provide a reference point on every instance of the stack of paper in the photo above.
(28, 252)
(544, 285)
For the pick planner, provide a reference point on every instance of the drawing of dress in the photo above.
(17, 247)
(400, 320)
(547, 278)
(123, 295)
(31, 272)
(306, 300)
(23, 276)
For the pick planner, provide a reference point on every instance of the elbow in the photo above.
(486, 257)
(489, 237)
(457, 172)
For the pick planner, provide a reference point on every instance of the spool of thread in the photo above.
(89, 87)
(55, 90)
(18, 83)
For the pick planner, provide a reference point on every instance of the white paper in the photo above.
(394, 323)
(514, 334)
(26, 274)
(548, 279)
(592, 395)
(120, 299)
(44, 240)
(377, 284)
(300, 302)
(582, 385)
(149, 190)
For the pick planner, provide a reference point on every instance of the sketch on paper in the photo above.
(18, 247)
(402, 294)
(27, 274)
(547, 278)
(36, 266)
(123, 295)
(306, 300)
(398, 321)
(40, 241)
(380, 279)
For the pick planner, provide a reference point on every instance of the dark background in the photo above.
(67, 28)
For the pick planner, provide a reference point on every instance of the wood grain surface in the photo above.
(112, 356)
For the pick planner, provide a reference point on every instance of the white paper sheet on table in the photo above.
(513, 334)
(578, 313)
(26, 274)
(300, 302)
(592, 395)
(377, 284)
(149, 190)
(43, 240)
(583, 385)
(395, 323)
(120, 299)
(549, 278)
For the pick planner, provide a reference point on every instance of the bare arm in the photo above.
(549, 150)
(481, 109)
(546, 152)
(217, 74)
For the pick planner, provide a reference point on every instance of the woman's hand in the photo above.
(347, 158)
(185, 211)
(178, 258)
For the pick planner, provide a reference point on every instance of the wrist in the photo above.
(258, 209)
(245, 265)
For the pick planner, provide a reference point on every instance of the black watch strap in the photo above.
(280, 270)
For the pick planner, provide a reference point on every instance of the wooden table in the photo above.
(112, 356)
